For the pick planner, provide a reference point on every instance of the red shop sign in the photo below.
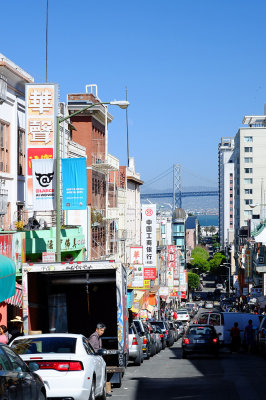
(150, 273)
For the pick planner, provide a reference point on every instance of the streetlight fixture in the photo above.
(120, 103)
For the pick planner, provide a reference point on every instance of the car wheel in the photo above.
(92, 393)
(137, 360)
(41, 396)
(148, 355)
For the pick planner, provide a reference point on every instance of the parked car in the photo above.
(192, 307)
(156, 340)
(162, 336)
(145, 337)
(183, 316)
(180, 328)
(173, 329)
(200, 339)
(67, 364)
(135, 351)
(18, 380)
(169, 336)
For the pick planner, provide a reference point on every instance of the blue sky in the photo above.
(193, 69)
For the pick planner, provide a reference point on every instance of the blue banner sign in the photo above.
(74, 176)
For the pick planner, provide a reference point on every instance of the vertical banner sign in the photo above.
(170, 265)
(74, 177)
(149, 234)
(44, 185)
(138, 280)
(41, 111)
(248, 263)
(136, 255)
(264, 284)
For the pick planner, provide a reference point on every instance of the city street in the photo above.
(167, 376)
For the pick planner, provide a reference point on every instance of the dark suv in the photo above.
(168, 333)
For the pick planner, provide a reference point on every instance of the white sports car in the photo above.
(68, 365)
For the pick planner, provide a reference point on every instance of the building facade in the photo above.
(12, 142)
(226, 191)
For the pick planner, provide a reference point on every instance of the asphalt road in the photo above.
(167, 376)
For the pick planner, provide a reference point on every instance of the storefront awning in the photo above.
(16, 300)
(7, 278)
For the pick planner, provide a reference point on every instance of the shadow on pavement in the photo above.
(185, 388)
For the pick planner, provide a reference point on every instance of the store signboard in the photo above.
(41, 111)
(149, 234)
(138, 276)
(150, 273)
(48, 257)
(146, 285)
(164, 291)
(74, 176)
(136, 255)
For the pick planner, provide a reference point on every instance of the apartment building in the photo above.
(12, 141)
(249, 171)
(226, 190)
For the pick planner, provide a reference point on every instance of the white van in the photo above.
(223, 322)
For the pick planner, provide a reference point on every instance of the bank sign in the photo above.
(149, 234)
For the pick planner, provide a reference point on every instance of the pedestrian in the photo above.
(95, 339)
(174, 315)
(3, 338)
(249, 336)
(236, 340)
(17, 329)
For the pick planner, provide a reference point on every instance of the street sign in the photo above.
(48, 257)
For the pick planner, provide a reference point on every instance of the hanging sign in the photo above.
(74, 177)
(44, 185)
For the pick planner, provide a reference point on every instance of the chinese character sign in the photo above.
(149, 234)
(136, 255)
(41, 111)
(74, 176)
(44, 185)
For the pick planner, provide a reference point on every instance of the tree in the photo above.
(212, 229)
(199, 251)
(206, 229)
(215, 263)
(193, 280)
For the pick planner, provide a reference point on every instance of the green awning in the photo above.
(7, 278)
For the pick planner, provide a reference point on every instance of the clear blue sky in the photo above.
(193, 69)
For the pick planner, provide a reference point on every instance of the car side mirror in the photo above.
(101, 352)
(33, 366)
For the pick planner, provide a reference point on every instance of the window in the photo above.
(4, 147)
(248, 149)
(248, 160)
(4, 361)
(248, 201)
(248, 139)
(248, 181)
(248, 191)
(215, 320)
(248, 170)
(247, 213)
(21, 152)
(17, 364)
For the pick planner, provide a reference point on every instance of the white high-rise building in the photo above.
(226, 190)
(250, 171)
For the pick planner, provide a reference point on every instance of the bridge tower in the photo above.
(177, 197)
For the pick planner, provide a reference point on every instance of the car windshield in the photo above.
(182, 312)
(45, 345)
(200, 330)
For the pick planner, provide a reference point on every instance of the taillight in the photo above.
(215, 340)
(144, 340)
(134, 341)
(61, 365)
(161, 335)
(166, 332)
(187, 316)
(186, 341)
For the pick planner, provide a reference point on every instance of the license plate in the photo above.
(200, 341)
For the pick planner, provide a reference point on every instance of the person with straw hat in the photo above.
(17, 329)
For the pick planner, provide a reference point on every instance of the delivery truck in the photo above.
(73, 297)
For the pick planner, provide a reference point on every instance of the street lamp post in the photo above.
(228, 265)
(122, 104)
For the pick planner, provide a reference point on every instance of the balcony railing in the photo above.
(99, 162)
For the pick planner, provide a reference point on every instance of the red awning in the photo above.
(16, 300)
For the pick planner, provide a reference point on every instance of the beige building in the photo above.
(249, 171)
